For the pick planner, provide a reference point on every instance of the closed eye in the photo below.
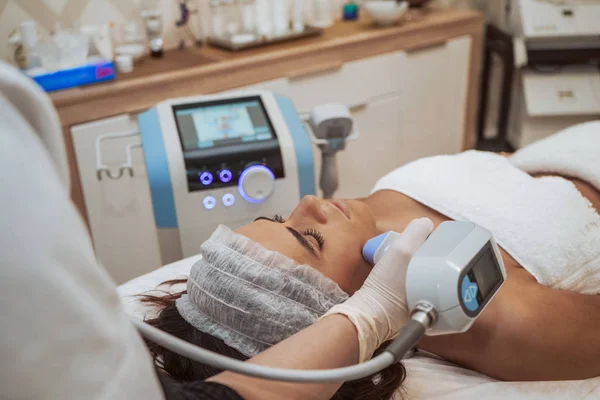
(298, 236)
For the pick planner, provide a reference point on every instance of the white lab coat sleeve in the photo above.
(63, 333)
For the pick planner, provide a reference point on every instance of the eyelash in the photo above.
(317, 235)
(309, 232)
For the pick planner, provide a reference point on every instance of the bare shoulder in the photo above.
(393, 211)
(589, 192)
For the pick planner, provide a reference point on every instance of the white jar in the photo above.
(323, 15)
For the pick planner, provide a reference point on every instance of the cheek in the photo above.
(349, 271)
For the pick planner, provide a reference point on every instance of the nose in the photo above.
(310, 207)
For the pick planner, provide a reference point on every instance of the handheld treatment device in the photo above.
(455, 274)
(449, 282)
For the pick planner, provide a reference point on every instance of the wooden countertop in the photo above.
(422, 28)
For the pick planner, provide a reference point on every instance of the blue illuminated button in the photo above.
(469, 294)
(209, 202)
(206, 178)
(228, 200)
(226, 176)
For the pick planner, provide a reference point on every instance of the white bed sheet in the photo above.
(428, 377)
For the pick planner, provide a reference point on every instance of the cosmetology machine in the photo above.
(223, 159)
(449, 282)
(549, 52)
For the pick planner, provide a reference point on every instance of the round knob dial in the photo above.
(256, 184)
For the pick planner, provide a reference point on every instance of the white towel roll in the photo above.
(573, 152)
(544, 223)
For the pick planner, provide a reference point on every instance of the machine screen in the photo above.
(486, 272)
(222, 123)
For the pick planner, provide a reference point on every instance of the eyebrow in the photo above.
(302, 240)
(297, 235)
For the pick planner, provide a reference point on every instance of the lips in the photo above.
(343, 207)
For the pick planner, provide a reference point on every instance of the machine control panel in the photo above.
(230, 143)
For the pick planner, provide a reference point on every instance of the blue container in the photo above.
(98, 71)
(350, 11)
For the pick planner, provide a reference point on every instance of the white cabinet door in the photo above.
(119, 211)
(435, 99)
(375, 153)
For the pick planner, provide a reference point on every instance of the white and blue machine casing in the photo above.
(552, 25)
(448, 256)
(190, 216)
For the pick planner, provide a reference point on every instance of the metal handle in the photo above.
(127, 166)
(354, 108)
(430, 46)
(568, 94)
(315, 70)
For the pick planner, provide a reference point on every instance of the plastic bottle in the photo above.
(216, 12)
(281, 17)
(323, 13)
(231, 17)
(298, 19)
(264, 24)
(248, 16)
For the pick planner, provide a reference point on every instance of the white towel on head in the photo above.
(543, 223)
(573, 152)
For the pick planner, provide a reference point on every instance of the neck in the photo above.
(393, 211)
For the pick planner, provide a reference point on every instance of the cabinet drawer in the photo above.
(351, 83)
(573, 90)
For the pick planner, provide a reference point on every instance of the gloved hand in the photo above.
(378, 309)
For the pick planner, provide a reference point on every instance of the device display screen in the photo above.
(486, 272)
(222, 123)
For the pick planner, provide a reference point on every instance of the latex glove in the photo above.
(378, 309)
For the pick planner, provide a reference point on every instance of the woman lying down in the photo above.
(543, 325)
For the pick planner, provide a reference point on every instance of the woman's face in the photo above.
(327, 234)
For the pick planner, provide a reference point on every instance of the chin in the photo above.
(365, 217)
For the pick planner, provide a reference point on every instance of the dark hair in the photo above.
(378, 386)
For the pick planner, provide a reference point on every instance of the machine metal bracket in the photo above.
(127, 166)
